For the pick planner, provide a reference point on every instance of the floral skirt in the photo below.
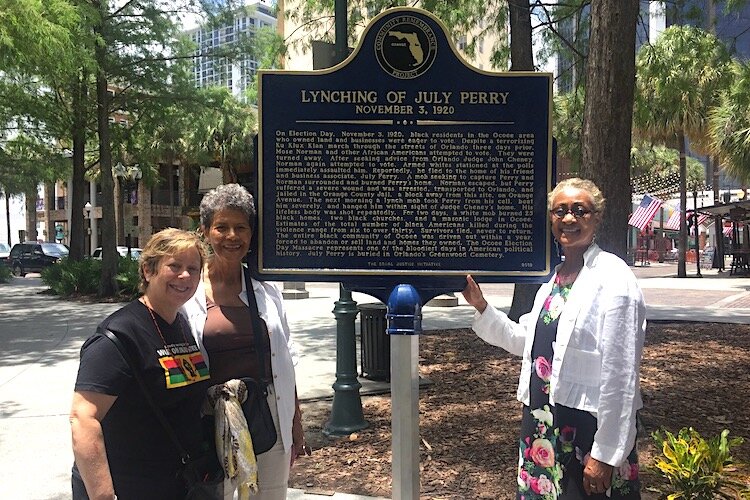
(554, 447)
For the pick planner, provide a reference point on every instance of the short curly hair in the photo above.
(227, 196)
(592, 189)
(166, 243)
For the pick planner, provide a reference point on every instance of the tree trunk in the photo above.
(7, 216)
(77, 235)
(608, 114)
(521, 59)
(30, 196)
(521, 52)
(681, 268)
(107, 282)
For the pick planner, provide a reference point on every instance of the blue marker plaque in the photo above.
(404, 161)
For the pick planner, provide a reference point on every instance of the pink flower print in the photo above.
(534, 484)
(545, 485)
(541, 428)
(624, 471)
(543, 368)
(567, 434)
(523, 479)
(634, 471)
(542, 453)
(547, 302)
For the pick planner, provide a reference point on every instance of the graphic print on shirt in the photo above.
(182, 369)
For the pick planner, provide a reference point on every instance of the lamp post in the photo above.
(697, 232)
(346, 409)
(127, 179)
(87, 213)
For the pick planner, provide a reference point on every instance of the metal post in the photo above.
(404, 326)
(346, 410)
(340, 27)
(697, 233)
(92, 217)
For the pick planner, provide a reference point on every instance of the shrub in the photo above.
(695, 468)
(69, 277)
(128, 278)
(5, 273)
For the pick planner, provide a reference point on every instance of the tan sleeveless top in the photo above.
(230, 342)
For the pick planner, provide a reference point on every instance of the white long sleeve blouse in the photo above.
(284, 355)
(597, 351)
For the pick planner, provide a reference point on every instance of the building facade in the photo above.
(236, 75)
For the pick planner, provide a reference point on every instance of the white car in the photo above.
(4, 253)
(135, 253)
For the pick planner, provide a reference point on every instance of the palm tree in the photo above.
(679, 77)
(729, 124)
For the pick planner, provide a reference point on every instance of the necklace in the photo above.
(158, 330)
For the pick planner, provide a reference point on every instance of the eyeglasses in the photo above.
(577, 211)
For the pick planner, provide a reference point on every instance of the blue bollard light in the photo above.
(404, 326)
(404, 311)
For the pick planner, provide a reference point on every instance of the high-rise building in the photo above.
(654, 17)
(236, 75)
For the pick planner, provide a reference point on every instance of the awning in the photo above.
(738, 210)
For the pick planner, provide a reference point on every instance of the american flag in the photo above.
(673, 222)
(645, 212)
(701, 217)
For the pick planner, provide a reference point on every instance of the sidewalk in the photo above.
(40, 337)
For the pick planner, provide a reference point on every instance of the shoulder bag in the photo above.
(202, 475)
(256, 409)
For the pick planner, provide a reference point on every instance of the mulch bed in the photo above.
(693, 374)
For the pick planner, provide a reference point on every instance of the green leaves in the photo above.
(695, 468)
(679, 78)
(729, 123)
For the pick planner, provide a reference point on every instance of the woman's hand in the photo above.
(597, 477)
(473, 295)
(299, 446)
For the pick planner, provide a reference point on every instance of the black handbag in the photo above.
(255, 407)
(202, 475)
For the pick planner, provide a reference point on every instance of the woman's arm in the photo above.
(89, 408)
(621, 345)
(493, 326)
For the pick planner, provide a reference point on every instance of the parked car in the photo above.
(4, 253)
(135, 253)
(32, 257)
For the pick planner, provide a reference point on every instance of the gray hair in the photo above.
(227, 196)
(587, 185)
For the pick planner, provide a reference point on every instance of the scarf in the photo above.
(234, 446)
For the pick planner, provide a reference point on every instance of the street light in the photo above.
(92, 236)
(128, 177)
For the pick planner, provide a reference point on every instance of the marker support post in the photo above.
(404, 326)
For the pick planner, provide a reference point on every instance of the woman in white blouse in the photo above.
(221, 322)
(581, 346)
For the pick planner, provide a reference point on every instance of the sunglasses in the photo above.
(577, 211)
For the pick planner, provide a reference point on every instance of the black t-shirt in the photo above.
(142, 459)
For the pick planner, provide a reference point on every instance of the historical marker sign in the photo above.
(404, 160)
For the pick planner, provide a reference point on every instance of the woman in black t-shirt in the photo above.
(120, 448)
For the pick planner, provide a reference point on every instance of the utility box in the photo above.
(375, 344)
